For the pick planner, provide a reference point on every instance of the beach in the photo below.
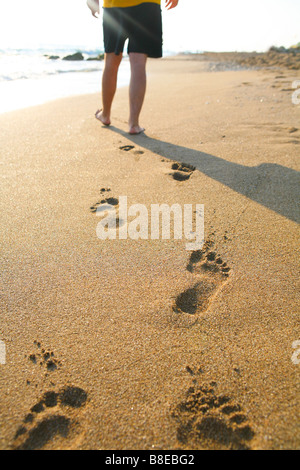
(141, 344)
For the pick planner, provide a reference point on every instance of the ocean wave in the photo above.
(43, 74)
(34, 64)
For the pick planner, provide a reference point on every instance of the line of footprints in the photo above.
(182, 173)
(202, 417)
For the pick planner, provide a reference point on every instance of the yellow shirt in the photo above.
(126, 3)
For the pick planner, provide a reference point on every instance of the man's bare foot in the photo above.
(133, 130)
(105, 120)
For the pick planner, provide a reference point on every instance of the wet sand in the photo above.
(141, 344)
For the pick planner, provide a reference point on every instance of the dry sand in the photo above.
(124, 344)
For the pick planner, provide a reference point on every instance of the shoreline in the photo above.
(212, 61)
(23, 93)
(140, 344)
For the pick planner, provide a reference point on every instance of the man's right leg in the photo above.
(109, 86)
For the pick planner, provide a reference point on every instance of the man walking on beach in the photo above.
(141, 23)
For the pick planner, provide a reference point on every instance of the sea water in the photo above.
(28, 77)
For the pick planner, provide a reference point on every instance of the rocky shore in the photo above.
(273, 58)
(77, 56)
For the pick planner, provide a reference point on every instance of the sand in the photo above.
(141, 344)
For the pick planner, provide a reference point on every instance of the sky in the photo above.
(195, 25)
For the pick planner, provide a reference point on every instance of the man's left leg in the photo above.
(137, 90)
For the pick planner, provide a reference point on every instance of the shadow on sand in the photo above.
(273, 186)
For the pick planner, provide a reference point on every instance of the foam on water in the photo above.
(29, 78)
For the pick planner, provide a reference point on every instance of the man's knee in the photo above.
(137, 57)
(112, 60)
(137, 62)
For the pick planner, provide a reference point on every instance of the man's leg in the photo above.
(109, 86)
(137, 90)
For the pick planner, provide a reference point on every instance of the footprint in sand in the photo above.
(208, 420)
(290, 90)
(292, 130)
(278, 134)
(137, 153)
(126, 148)
(183, 171)
(108, 201)
(210, 272)
(109, 204)
(45, 358)
(54, 415)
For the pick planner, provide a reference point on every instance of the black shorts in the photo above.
(141, 24)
